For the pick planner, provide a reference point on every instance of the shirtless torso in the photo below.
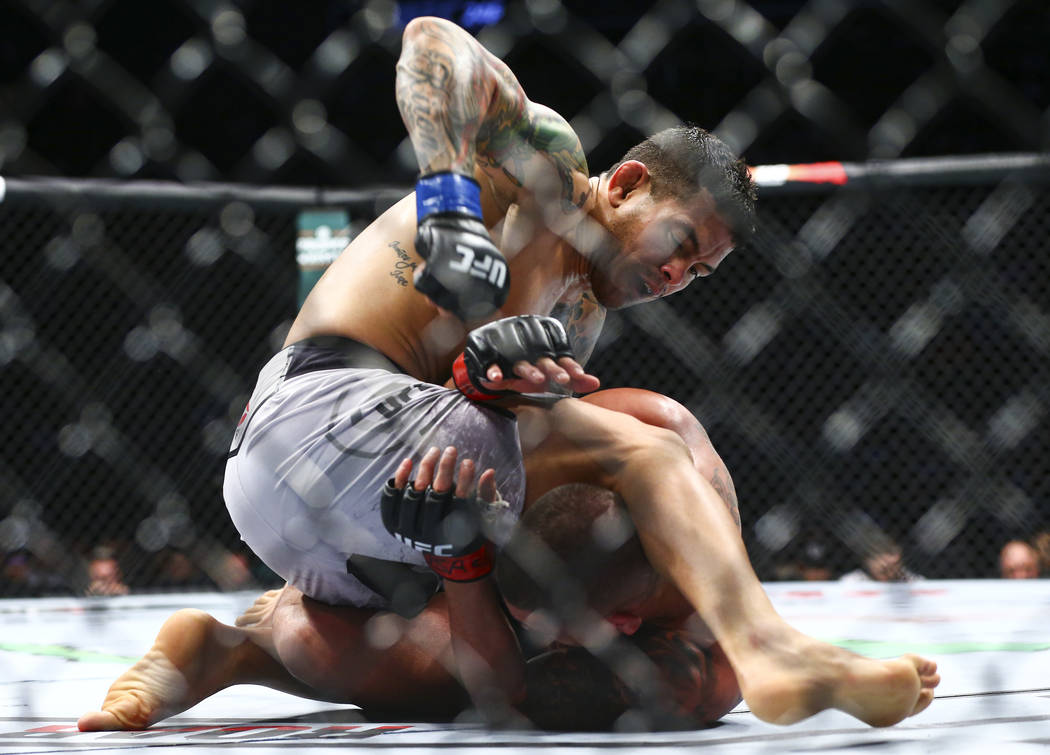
(573, 241)
(367, 293)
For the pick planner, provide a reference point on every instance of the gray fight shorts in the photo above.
(317, 442)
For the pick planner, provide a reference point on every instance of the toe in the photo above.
(98, 720)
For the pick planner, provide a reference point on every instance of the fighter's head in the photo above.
(671, 209)
(576, 547)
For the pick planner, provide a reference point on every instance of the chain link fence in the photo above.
(873, 368)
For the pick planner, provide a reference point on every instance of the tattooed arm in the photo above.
(583, 320)
(464, 109)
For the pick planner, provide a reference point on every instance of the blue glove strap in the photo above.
(447, 192)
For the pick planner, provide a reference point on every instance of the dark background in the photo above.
(131, 334)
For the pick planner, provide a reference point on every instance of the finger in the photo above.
(581, 381)
(446, 468)
(487, 486)
(426, 468)
(571, 366)
(404, 469)
(586, 384)
(466, 478)
(529, 372)
(553, 371)
(493, 374)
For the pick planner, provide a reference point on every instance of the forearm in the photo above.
(444, 88)
(488, 658)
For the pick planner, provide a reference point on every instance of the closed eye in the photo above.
(701, 270)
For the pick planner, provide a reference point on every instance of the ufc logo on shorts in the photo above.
(489, 268)
(419, 545)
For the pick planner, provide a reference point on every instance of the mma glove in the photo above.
(465, 272)
(504, 343)
(445, 528)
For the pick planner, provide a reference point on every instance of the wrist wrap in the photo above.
(466, 568)
(447, 192)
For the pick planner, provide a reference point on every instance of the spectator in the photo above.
(177, 571)
(105, 576)
(814, 563)
(232, 572)
(807, 561)
(24, 575)
(884, 563)
(1018, 560)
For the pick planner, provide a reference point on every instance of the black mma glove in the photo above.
(446, 529)
(506, 342)
(465, 272)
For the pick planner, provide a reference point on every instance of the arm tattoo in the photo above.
(583, 320)
(461, 104)
(523, 142)
(442, 92)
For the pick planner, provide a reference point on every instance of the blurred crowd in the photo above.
(115, 569)
(1020, 557)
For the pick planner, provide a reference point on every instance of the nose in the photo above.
(675, 272)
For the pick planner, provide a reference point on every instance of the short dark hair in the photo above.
(682, 160)
(575, 544)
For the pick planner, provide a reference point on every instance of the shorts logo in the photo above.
(377, 427)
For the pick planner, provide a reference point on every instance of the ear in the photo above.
(625, 623)
(629, 177)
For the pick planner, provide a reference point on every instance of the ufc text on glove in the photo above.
(446, 529)
(465, 272)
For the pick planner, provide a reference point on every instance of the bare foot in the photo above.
(790, 683)
(193, 657)
(261, 611)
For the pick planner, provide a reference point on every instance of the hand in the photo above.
(464, 272)
(445, 527)
(521, 354)
(565, 374)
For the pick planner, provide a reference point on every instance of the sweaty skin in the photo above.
(573, 242)
(288, 642)
(283, 632)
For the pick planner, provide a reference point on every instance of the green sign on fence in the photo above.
(323, 234)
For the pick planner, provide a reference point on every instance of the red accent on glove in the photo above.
(461, 378)
(466, 568)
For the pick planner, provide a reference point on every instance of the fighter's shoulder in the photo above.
(519, 153)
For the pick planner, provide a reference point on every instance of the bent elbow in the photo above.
(423, 26)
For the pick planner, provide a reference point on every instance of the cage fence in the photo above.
(873, 368)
